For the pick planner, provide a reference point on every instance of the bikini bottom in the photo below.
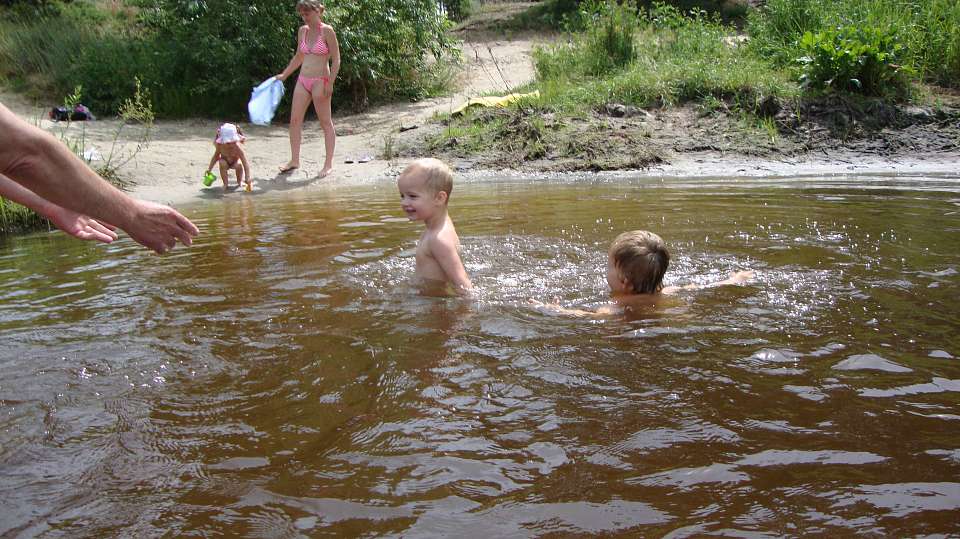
(308, 82)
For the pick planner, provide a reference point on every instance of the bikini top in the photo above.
(320, 47)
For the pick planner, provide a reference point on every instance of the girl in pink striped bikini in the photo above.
(318, 57)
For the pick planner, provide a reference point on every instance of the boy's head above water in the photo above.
(425, 187)
(636, 263)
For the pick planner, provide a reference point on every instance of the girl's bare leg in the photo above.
(224, 173)
(238, 168)
(301, 101)
(321, 104)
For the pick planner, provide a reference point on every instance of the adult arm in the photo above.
(77, 225)
(445, 253)
(297, 59)
(36, 160)
(334, 47)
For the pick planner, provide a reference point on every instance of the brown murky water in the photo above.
(281, 378)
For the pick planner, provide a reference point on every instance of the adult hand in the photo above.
(81, 226)
(159, 227)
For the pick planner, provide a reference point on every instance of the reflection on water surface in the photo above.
(281, 378)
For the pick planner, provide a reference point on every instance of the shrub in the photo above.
(203, 57)
(928, 30)
(852, 59)
(457, 10)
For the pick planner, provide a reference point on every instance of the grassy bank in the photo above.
(628, 58)
(15, 218)
(594, 86)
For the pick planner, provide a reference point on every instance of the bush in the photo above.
(457, 10)
(928, 30)
(852, 59)
(202, 58)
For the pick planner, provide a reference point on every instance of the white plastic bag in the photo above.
(264, 101)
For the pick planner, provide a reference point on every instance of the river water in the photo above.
(281, 378)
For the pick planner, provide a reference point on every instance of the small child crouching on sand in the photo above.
(425, 187)
(636, 263)
(229, 155)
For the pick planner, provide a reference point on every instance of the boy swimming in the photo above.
(425, 187)
(636, 263)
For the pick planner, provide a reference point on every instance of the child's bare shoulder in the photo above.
(444, 239)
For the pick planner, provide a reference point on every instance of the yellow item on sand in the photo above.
(492, 101)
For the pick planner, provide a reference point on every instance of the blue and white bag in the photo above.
(264, 101)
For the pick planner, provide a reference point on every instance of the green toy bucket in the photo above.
(209, 178)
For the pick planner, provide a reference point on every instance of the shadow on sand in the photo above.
(280, 182)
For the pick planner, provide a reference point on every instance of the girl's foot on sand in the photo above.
(289, 167)
(325, 172)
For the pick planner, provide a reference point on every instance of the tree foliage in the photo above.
(202, 57)
(216, 50)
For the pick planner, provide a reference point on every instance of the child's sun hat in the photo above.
(228, 133)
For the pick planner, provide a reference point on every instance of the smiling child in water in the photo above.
(425, 187)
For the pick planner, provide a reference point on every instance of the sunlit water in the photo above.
(282, 378)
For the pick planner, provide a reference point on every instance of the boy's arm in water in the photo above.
(77, 225)
(36, 160)
(444, 251)
(737, 277)
(604, 311)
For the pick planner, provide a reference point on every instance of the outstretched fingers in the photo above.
(160, 227)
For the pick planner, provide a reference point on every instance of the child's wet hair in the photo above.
(642, 258)
(437, 175)
(312, 5)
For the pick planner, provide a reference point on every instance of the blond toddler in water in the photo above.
(229, 155)
(425, 187)
(636, 263)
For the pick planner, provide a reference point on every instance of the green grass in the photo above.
(676, 61)
(929, 30)
(15, 218)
